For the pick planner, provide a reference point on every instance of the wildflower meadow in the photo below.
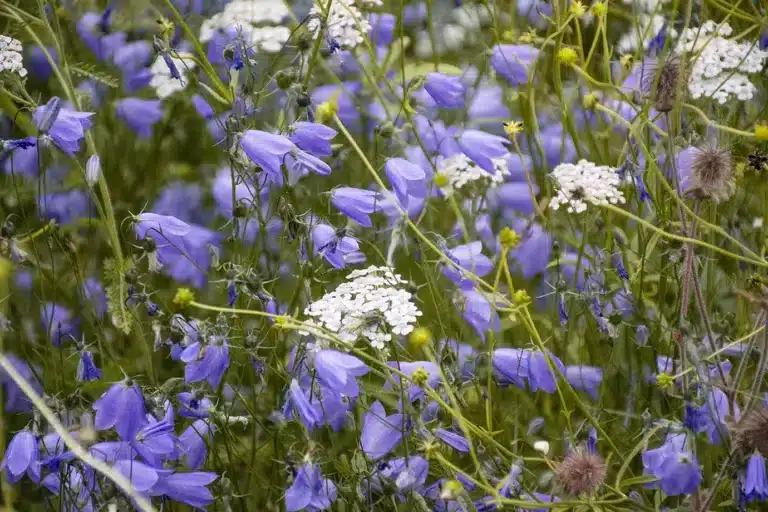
(383, 255)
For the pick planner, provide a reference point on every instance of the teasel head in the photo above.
(581, 472)
(663, 81)
(750, 432)
(712, 174)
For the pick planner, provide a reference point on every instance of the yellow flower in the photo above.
(521, 297)
(567, 56)
(326, 110)
(665, 380)
(578, 9)
(627, 61)
(761, 131)
(509, 238)
(513, 128)
(590, 100)
(600, 9)
(420, 377)
(184, 297)
(420, 336)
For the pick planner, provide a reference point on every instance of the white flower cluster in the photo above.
(647, 5)
(585, 182)
(10, 56)
(162, 82)
(345, 25)
(460, 171)
(370, 305)
(721, 65)
(259, 21)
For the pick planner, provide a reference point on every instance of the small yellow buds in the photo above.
(600, 9)
(282, 319)
(451, 490)
(513, 128)
(627, 61)
(420, 377)
(509, 238)
(664, 380)
(578, 9)
(590, 100)
(420, 336)
(508, 36)
(761, 131)
(567, 56)
(184, 297)
(441, 180)
(521, 297)
(326, 110)
(526, 38)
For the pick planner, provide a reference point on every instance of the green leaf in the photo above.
(91, 71)
(637, 480)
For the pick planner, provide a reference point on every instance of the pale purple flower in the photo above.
(381, 433)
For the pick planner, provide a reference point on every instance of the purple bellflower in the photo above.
(140, 115)
(66, 129)
(298, 402)
(477, 311)
(469, 257)
(271, 152)
(482, 147)
(103, 46)
(59, 323)
(356, 203)
(15, 399)
(754, 483)
(21, 457)
(408, 369)
(585, 378)
(381, 433)
(337, 248)
(193, 405)
(86, 368)
(187, 488)
(314, 138)
(93, 291)
(452, 439)
(66, 207)
(206, 361)
(155, 441)
(447, 91)
(309, 490)
(676, 467)
(407, 179)
(513, 61)
(121, 407)
(339, 371)
(193, 442)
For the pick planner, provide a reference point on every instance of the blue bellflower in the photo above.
(381, 433)
(482, 148)
(754, 484)
(206, 361)
(407, 179)
(140, 115)
(86, 368)
(452, 439)
(513, 61)
(314, 138)
(59, 323)
(187, 488)
(15, 399)
(338, 249)
(676, 467)
(271, 152)
(21, 457)
(309, 490)
(339, 371)
(193, 442)
(585, 378)
(121, 407)
(67, 129)
(356, 203)
(447, 91)
(298, 402)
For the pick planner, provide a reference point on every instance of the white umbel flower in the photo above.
(371, 305)
(345, 23)
(10, 56)
(460, 171)
(721, 65)
(585, 182)
(259, 21)
(162, 82)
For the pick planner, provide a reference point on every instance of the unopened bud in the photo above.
(49, 114)
(92, 170)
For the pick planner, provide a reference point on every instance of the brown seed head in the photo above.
(581, 472)
(664, 82)
(712, 174)
(750, 433)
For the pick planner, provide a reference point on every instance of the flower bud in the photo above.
(184, 297)
(420, 336)
(92, 170)
(49, 115)
(567, 56)
(542, 447)
(509, 238)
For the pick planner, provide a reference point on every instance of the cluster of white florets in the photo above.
(162, 81)
(460, 171)
(583, 183)
(647, 5)
(372, 305)
(10, 56)
(260, 22)
(721, 65)
(345, 24)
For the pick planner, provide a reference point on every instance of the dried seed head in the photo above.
(581, 472)
(750, 433)
(664, 82)
(712, 174)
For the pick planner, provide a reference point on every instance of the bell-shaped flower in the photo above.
(477, 311)
(470, 258)
(93, 292)
(407, 179)
(21, 457)
(427, 370)
(140, 115)
(356, 203)
(511, 365)
(338, 248)
(297, 402)
(206, 361)
(90, 28)
(141, 476)
(452, 439)
(66, 207)
(382, 433)
(339, 371)
(309, 490)
(482, 148)
(585, 378)
(193, 405)
(15, 399)
(187, 488)
(539, 374)
(674, 465)
(533, 253)
(404, 475)
(271, 152)
(314, 138)
(447, 91)
(86, 368)
(121, 407)
(513, 61)
(155, 441)
(194, 440)
(754, 483)
(66, 129)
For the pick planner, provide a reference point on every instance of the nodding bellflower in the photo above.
(447, 91)
(297, 401)
(15, 399)
(356, 203)
(121, 407)
(206, 361)
(314, 138)
(188, 488)
(482, 148)
(140, 115)
(336, 247)
(468, 257)
(86, 368)
(674, 465)
(452, 439)
(194, 440)
(585, 378)
(513, 62)
(65, 127)
(309, 490)
(754, 483)
(381, 433)
(22, 457)
(407, 179)
(339, 371)
(60, 324)
(271, 152)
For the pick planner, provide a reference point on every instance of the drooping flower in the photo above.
(187, 488)
(754, 483)
(140, 115)
(381, 433)
(121, 407)
(456, 441)
(309, 490)
(21, 457)
(403, 474)
(297, 401)
(585, 378)
(475, 308)
(15, 399)
(314, 138)
(193, 442)
(469, 257)
(447, 91)
(338, 248)
(86, 368)
(675, 466)
(66, 207)
(339, 371)
(155, 441)
(66, 129)
(193, 405)
(206, 361)
(271, 152)
(93, 291)
(483, 148)
(513, 62)
(428, 372)
(103, 45)
(60, 324)
(407, 179)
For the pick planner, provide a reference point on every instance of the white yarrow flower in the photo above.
(162, 82)
(259, 21)
(583, 183)
(370, 305)
(345, 23)
(10, 56)
(461, 171)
